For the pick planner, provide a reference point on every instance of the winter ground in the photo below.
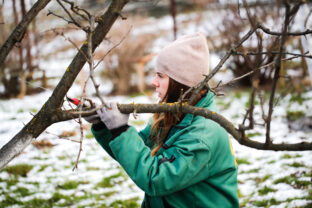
(43, 176)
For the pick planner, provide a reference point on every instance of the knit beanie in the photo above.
(186, 60)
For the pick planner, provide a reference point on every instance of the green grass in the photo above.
(266, 177)
(109, 181)
(12, 181)
(129, 203)
(19, 169)
(296, 98)
(241, 161)
(266, 203)
(93, 168)
(265, 190)
(22, 191)
(255, 170)
(272, 201)
(293, 181)
(69, 185)
(220, 103)
(296, 165)
(256, 102)
(288, 156)
(9, 201)
(42, 168)
(294, 115)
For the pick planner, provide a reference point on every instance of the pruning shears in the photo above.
(85, 105)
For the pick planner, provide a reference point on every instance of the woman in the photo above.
(177, 160)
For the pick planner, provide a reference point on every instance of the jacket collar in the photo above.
(205, 102)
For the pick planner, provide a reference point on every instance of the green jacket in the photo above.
(194, 168)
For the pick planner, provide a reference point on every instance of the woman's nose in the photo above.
(155, 83)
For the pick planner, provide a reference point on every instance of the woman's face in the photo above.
(161, 83)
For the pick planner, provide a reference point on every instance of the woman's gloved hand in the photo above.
(112, 117)
(94, 119)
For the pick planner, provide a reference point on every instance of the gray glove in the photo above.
(94, 119)
(112, 117)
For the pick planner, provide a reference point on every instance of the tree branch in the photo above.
(186, 108)
(268, 31)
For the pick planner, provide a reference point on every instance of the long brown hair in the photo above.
(162, 122)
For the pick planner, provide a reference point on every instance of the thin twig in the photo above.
(90, 62)
(272, 52)
(76, 10)
(73, 20)
(61, 17)
(268, 31)
(61, 137)
(112, 48)
(251, 72)
(72, 42)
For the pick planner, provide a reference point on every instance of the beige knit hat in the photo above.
(185, 60)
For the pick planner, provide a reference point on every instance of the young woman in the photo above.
(177, 160)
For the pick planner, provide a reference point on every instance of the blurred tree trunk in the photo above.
(15, 68)
(122, 84)
(173, 14)
(2, 39)
(29, 70)
(22, 84)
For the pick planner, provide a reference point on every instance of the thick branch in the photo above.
(18, 33)
(185, 108)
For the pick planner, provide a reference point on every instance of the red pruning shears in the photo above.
(76, 102)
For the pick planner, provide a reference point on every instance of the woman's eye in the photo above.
(160, 75)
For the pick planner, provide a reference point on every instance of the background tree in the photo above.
(14, 77)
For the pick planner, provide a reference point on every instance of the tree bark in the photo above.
(47, 114)
(18, 33)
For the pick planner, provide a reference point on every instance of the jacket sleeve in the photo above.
(103, 138)
(183, 164)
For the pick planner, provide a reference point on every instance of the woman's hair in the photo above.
(162, 122)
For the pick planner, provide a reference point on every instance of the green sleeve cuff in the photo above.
(103, 137)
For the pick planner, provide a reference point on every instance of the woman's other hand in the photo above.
(112, 117)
